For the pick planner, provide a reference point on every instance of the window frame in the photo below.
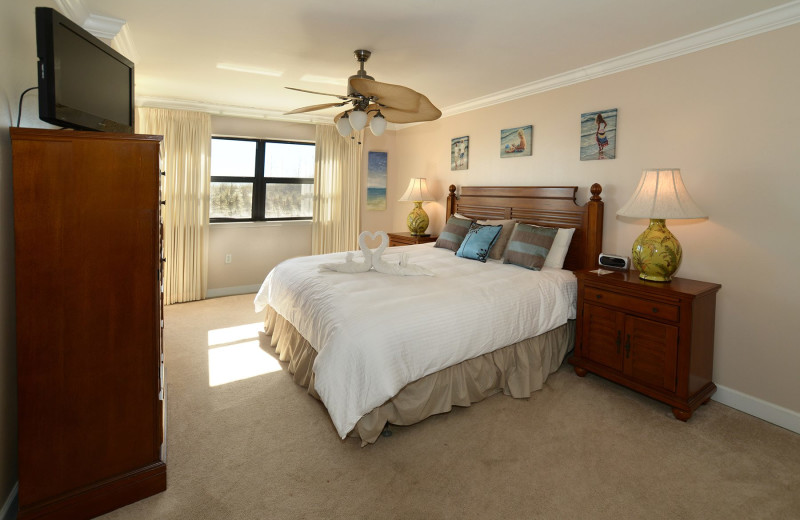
(259, 182)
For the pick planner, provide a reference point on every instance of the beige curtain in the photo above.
(185, 157)
(337, 192)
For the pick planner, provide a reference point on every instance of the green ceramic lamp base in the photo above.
(656, 254)
(417, 220)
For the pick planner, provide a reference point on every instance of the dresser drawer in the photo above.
(632, 304)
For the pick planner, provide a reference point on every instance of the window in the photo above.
(256, 179)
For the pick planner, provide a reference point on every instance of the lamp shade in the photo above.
(417, 191)
(378, 124)
(661, 195)
(343, 126)
(358, 119)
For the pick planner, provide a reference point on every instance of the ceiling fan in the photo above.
(375, 102)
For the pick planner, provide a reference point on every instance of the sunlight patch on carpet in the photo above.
(235, 354)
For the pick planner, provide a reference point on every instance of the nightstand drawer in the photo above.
(633, 304)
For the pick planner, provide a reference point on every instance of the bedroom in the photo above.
(724, 115)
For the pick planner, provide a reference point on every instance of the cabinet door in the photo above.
(651, 352)
(602, 336)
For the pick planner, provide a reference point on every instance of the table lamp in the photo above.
(417, 193)
(660, 195)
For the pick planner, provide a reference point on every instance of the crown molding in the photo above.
(765, 21)
(113, 30)
(230, 110)
(104, 27)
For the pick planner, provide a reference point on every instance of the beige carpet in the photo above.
(261, 448)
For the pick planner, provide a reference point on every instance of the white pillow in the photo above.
(558, 251)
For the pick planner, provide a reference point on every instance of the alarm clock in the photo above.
(607, 261)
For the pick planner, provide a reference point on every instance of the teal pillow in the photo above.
(478, 242)
(453, 233)
(529, 245)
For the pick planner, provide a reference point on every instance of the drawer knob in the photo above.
(655, 309)
(598, 296)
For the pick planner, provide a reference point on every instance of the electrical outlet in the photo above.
(228, 258)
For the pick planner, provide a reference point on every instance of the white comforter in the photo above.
(375, 333)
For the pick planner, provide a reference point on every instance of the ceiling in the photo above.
(456, 52)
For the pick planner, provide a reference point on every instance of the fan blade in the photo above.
(388, 95)
(425, 112)
(345, 98)
(314, 107)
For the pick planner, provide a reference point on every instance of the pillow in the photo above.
(529, 245)
(496, 252)
(478, 242)
(558, 251)
(453, 233)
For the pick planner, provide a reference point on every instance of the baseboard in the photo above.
(756, 407)
(232, 291)
(9, 511)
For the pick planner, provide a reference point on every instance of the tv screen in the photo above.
(83, 83)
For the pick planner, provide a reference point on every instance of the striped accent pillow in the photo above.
(529, 245)
(453, 233)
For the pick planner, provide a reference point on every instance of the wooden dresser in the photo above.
(656, 338)
(407, 239)
(89, 321)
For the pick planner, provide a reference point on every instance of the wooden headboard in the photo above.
(552, 206)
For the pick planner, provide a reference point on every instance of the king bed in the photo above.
(379, 347)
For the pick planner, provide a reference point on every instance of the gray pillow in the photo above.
(529, 245)
(453, 233)
(499, 246)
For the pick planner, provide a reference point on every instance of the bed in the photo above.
(378, 349)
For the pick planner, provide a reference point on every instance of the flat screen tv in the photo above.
(83, 83)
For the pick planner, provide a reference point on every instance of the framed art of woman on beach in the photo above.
(599, 135)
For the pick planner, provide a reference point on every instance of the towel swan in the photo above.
(372, 259)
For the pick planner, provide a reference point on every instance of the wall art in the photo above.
(459, 153)
(599, 135)
(376, 181)
(516, 142)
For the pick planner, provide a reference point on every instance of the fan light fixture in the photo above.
(343, 125)
(378, 124)
(373, 102)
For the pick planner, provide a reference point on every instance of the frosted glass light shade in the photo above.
(378, 124)
(661, 194)
(358, 119)
(343, 126)
(417, 191)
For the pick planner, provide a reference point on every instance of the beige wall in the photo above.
(726, 116)
(255, 248)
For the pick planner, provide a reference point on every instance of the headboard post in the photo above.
(451, 202)
(594, 214)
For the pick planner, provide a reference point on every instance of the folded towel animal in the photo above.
(372, 259)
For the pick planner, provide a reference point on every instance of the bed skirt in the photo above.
(516, 370)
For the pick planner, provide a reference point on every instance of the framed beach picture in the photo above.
(376, 181)
(516, 142)
(599, 135)
(459, 153)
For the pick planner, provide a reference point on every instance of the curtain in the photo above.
(186, 159)
(337, 192)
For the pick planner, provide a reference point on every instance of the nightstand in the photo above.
(655, 338)
(407, 239)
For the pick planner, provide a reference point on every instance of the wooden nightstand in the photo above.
(406, 239)
(655, 338)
